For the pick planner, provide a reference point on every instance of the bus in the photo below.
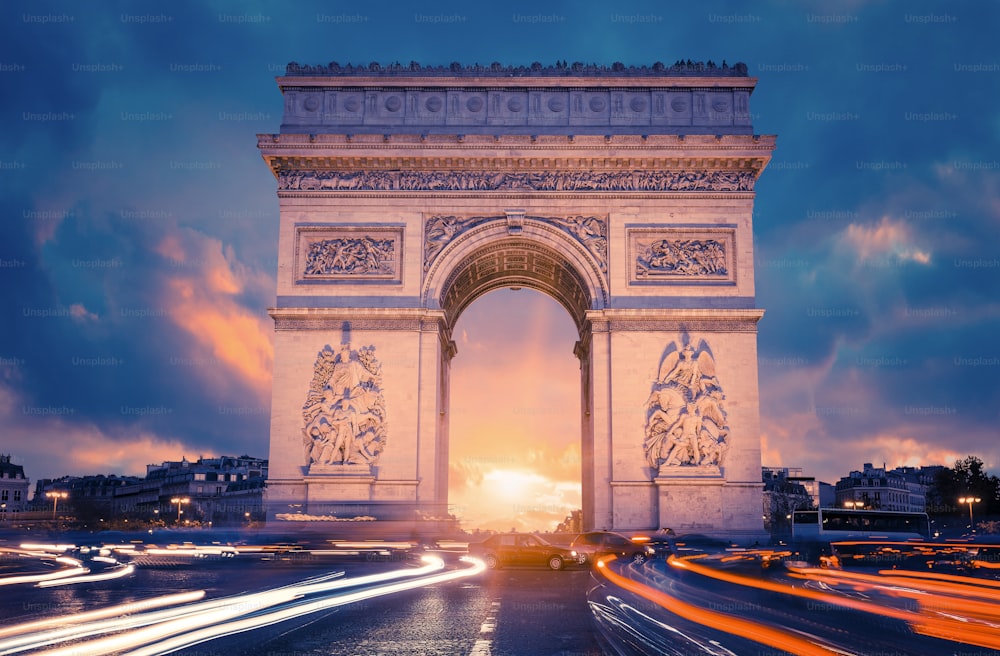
(828, 524)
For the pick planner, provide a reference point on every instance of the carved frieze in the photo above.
(590, 231)
(344, 416)
(485, 180)
(686, 425)
(682, 255)
(348, 253)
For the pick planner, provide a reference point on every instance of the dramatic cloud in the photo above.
(138, 246)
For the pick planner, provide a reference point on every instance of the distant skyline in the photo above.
(138, 247)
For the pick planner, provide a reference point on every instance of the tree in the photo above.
(967, 478)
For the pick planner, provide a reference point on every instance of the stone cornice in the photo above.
(495, 70)
(492, 143)
(721, 320)
(481, 152)
(307, 318)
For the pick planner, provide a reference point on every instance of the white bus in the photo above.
(828, 524)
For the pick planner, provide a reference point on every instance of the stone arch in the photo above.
(536, 255)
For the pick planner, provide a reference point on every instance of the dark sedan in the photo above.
(595, 544)
(522, 549)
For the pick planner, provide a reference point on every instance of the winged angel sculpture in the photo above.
(685, 415)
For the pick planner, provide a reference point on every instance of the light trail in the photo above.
(964, 614)
(777, 638)
(193, 623)
(104, 613)
(116, 573)
(303, 608)
(75, 568)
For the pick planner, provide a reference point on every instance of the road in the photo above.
(498, 613)
(492, 613)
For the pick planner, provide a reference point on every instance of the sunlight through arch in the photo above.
(515, 413)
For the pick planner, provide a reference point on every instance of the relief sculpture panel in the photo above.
(344, 417)
(348, 254)
(669, 255)
(686, 421)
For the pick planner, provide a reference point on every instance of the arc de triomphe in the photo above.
(624, 193)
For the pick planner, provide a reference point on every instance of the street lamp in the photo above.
(970, 501)
(55, 496)
(852, 504)
(179, 501)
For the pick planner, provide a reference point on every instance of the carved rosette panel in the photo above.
(344, 417)
(685, 256)
(686, 421)
(485, 180)
(348, 254)
(590, 231)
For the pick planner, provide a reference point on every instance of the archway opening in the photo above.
(515, 420)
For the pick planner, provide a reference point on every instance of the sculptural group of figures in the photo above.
(686, 257)
(350, 255)
(528, 181)
(590, 231)
(344, 413)
(685, 419)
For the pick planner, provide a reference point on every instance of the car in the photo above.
(594, 544)
(661, 541)
(696, 543)
(506, 549)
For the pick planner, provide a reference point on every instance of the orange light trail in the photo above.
(766, 635)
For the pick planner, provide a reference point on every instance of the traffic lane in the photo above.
(511, 611)
(539, 612)
(669, 606)
(437, 620)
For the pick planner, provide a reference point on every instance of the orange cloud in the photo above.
(170, 248)
(201, 301)
(888, 238)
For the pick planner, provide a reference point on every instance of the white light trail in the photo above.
(116, 573)
(104, 613)
(197, 622)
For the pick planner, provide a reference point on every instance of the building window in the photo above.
(3, 495)
(17, 495)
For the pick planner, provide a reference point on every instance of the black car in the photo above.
(522, 549)
(595, 544)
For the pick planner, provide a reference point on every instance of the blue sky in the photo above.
(138, 245)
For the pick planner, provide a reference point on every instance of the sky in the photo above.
(138, 240)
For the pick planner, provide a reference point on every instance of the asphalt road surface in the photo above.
(523, 611)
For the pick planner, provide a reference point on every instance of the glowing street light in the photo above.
(854, 504)
(180, 501)
(55, 496)
(970, 501)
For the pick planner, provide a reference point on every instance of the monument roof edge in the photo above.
(609, 81)
(680, 68)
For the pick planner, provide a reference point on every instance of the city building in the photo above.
(225, 489)
(14, 487)
(876, 488)
(785, 490)
(820, 493)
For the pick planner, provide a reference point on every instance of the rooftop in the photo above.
(680, 68)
